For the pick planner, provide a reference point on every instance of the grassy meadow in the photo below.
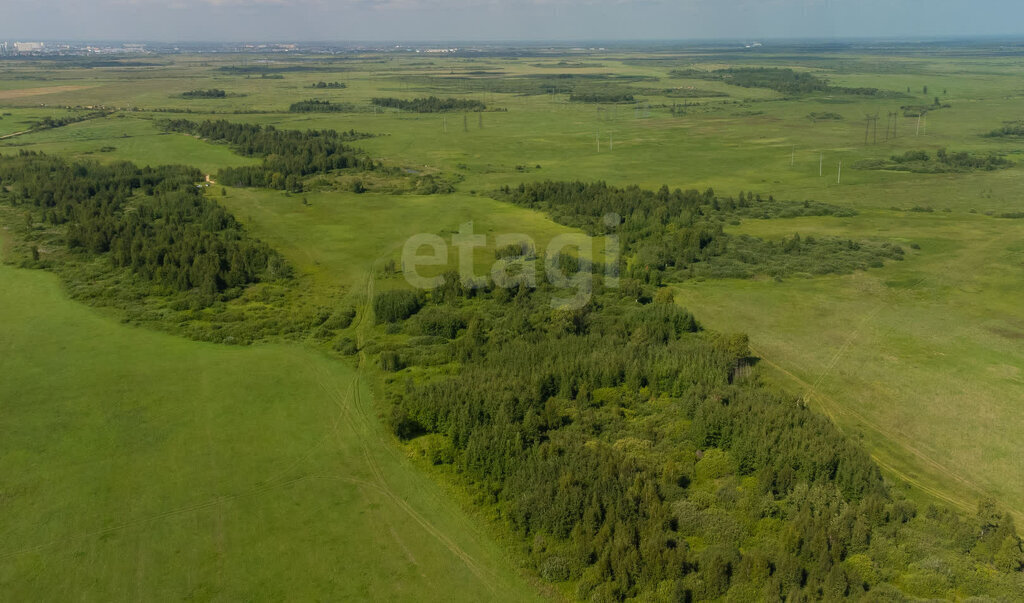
(220, 472)
(214, 473)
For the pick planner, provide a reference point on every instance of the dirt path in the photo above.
(351, 410)
(356, 412)
(14, 134)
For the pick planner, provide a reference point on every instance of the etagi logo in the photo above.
(517, 265)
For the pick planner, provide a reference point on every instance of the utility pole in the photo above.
(611, 142)
(821, 163)
(839, 178)
(792, 158)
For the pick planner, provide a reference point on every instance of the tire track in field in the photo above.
(361, 427)
(351, 408)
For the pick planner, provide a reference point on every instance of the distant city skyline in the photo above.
(510, 20)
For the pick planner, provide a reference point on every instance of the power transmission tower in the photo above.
(871, 124)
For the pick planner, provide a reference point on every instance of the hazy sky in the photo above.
(464, 20)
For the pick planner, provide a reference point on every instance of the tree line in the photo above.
(430, 104)
(48, 122)
(601, 97)
(922, 162)
(155, 222)
(782, 80)
(1011, 129)
(320, 106)
(676, 235)
(329, 85)
(211, 93)
(288, 155)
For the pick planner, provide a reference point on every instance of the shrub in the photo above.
(346, 346)
(341, 319)
(440, 322)
(396, 305)
(391, 361)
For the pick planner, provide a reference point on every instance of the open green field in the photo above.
(233, 470)
(137, 465)
(917, 359)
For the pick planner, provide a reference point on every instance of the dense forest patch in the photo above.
(211, 93)
(1010, 129)
(321, 106)
(430, 104)
(783, 80)
(150, 242)
(676, 235)
(288, 155)
(154, 221)
(922, 162)
(633, 454)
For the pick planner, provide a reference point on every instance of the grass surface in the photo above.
(136, 465)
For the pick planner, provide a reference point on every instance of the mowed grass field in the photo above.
(921, 359)
(139, 466)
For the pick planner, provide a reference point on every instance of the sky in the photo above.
(503, 20)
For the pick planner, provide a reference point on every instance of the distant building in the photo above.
(28, 46)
